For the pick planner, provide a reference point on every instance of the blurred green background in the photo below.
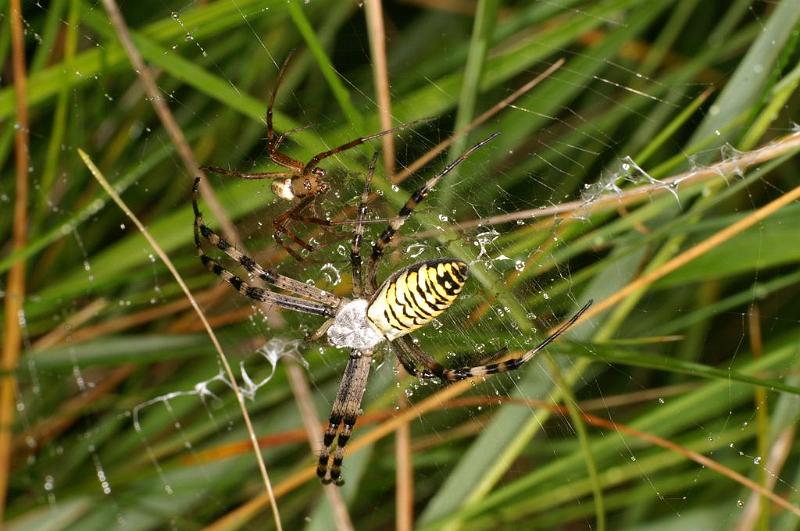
(669, 122)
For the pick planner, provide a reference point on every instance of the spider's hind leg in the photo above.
(249, 175)
(412, 353)
(345, 412)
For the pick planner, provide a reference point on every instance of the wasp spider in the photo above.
(409, 299)
(301, 182)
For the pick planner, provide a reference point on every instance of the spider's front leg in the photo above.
(345, 411)
(280, 227)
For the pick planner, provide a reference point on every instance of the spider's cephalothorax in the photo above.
(300, 186)
(301, 182)
(407, 300)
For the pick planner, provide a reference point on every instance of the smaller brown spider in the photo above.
(302, 181)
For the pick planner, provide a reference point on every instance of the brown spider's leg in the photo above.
(280, 229)
(346, 409)
(415, 199)
(281, 137)
(271, 104)
(272, 143)
(280, 241)
(491, 368)
(293, 212)
(281, 226)
(250, 175)
(315, 160)
(251, 266)
(358, 231)
(312, 219)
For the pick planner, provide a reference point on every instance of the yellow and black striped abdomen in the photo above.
(414, 296)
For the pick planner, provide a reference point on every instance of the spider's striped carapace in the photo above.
(414, 296)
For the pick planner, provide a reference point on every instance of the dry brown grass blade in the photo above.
(774, 463)
(68, 327)
(124, 322)
(404, 465)
(380, 74)
(15, 283)
(404, 468)
(664, 443)
(55, 424)
(636, 397)
(694, 456)
(571, 209)
(135, 319)
(302, 395)
(694, 252)
(497, 107)
(228, 450)
(223, 359)
(168, 121)
(761, 512)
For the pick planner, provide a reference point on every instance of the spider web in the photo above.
(123, 416)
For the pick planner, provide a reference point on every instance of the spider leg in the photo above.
(345, 412)
(259, 294)
(320, 299)
(407, 360)
(436, 369)
(320, 332)
(294, 212)
(274, 143)
(249, 175)
(270, 129)
(404, 213)
(358, 231)
(315, 160)
(280, 241)
(280, 228)
(411, 355)
(311, 219)
(281, 137)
